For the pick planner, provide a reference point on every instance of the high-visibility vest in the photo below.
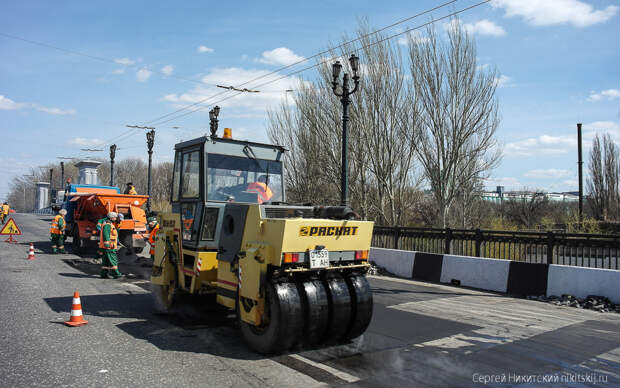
(263, 191)
(132, 191)
(55, 228)
(152, 236)
(5, 209)
(113, 236)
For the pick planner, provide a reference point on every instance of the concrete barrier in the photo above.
(581, 282)
(399, 263)
(512, 277)
(486, 274)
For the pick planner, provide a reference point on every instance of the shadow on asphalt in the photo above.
(197, 326)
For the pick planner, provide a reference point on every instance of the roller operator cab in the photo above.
(294, 274)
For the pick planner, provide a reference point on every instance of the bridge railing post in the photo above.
(396, 236)
(478, 242)
(448, 243)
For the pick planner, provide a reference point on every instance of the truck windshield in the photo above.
(243, 179)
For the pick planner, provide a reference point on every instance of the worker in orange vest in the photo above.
(4, 211)
(108, 244)
(260, 187)
(57, 232)
(130, 189)
(154, 226)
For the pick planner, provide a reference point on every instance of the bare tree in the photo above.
(603, 180)
(382, 174)
(526, 208)
(458, 114)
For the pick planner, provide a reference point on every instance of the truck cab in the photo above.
(211, 172)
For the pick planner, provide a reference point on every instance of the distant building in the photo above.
(500, 194)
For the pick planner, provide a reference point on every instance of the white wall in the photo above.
(397, 262)
(486, 274)
(581, 282)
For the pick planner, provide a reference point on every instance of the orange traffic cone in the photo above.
(76, 312)
(31, 252)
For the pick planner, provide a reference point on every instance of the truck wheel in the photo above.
(315, 306)
(79, 245)
(361, 305)
(282, 320)
(339, 308)
(165, 297)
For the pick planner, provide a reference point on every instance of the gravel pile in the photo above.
(592, 302)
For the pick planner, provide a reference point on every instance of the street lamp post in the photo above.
(344, 98)
(112, 155)
(150, 142)
(213, 121)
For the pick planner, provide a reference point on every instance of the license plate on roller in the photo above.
(319, 258)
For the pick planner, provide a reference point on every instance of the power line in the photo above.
(98, 58)
(302, 61)
(313, 66)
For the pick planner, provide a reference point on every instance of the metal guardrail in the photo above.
(584, 250)
(44, 211)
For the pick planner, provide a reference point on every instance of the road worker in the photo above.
(4, 211)
(154, 226)
(108, 244)
(130, 189)
(260, 187)
(57, 232)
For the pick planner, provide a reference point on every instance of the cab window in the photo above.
(191, 175)
(176, 178)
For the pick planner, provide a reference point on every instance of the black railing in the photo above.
(585, 250)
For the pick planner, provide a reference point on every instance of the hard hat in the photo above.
(62, 212)
(151, 219)
(112, 215)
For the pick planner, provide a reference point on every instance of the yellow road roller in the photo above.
(294, 274)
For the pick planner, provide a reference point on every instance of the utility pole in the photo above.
(580, 169)
(112, 155)
(62, 174)
(150, 141)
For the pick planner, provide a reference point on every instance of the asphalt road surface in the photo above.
(421, 335)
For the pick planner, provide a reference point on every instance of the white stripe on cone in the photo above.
(76, 301)
(76, 313)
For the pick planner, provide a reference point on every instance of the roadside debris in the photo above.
(591, 302)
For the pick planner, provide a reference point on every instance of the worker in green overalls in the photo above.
(108, 244)
(57, 232)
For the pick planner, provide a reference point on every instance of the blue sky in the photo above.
(558, 61)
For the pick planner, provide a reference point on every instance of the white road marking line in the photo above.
(340, 374)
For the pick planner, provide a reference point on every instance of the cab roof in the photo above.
(204, 139)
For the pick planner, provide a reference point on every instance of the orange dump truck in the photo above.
(87, 204)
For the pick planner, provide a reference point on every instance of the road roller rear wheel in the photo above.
(282, 320)
(339, 299)
(315, 304)
(361, 305)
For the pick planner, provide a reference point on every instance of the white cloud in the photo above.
(82, 141)
(167, 70)
(415, 35)
(503, 81)
(125, 61)
(8, 104)
(542, 145)
(609, 94)
(54, 111)
(143, 74)
(279, 56)
(552, 12)
(119, 71)
(481, 27)
(204, 49)
(509, 183)
(257, 102)
(546, 145)
(548, 173)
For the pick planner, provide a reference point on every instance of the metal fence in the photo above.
(585, 250)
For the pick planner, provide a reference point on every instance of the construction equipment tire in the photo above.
(283, 320)
(361, 305)
(315, 304)
(78, 244)
(339, 308)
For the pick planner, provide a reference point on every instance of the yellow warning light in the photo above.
(227, 133)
